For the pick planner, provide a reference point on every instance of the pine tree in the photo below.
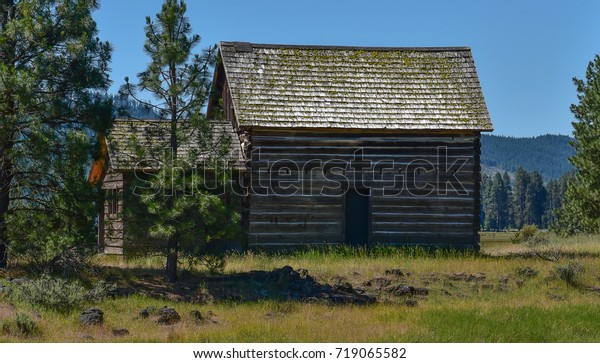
(509, 206)
(535, 199)
(52, 67)
(581, 211)
(483, 200)
(521, 180)
(179, 82)
(490, 205)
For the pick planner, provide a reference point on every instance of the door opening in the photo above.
(357, 218)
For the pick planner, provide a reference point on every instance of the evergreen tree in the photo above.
(556, 190)
(535, 199)
(52, 67)
(495, 203)
(509, 206)
(179, 82)
(490, 205)
(521, 180)
(483, 200)
(581, 211)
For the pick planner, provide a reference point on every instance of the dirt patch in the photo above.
(7, 311)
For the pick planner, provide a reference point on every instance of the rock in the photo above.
(527, 272)
(207, 317)
(504, 279)
(476, 277)
(91, 316)
(401, 290)
(405, 290)
(411, 303)
(378, 283)
(462, 276)
(120, 332)
(285, 283)
(395, 272)
(145, 313)
(421, 291)
(344, 286)
(196, 314)
(303, 273)
(168, 316)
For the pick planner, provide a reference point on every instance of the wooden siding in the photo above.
(111, 238)
(297, 181)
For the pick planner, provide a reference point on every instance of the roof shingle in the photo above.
(138, 144)
(351, 87)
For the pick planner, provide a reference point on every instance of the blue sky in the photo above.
(526, 52)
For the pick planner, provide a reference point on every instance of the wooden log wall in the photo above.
(111, 237)
(424, 188)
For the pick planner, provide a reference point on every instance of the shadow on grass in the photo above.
(282, 284)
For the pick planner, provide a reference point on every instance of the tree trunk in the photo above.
(7, 13)
(172, 245)
(5, 179)
(171, 270)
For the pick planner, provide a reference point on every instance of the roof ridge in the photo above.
(247, 47)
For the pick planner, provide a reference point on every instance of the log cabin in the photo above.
(338, 145)
(355, 145)
(137, 148)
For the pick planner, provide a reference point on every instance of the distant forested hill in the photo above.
(546, 154)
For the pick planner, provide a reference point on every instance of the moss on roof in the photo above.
(391, 88)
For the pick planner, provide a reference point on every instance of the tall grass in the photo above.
(506, 306)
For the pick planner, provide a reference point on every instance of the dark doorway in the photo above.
(357, 218)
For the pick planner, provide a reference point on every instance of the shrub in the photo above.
(57, 293)
(101, 290)
(539, 239)
(526, 233)
(25, 325)
(214, 263)
(569, 273)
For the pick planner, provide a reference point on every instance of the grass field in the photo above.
(504, 294)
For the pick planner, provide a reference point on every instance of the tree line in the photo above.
(511, 203)
(547, 154)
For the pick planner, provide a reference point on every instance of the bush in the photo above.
(526, 233)
(101, 290)
(214, 263)
(57, 293)
(23, 326)
(539, 239)
(569, 273)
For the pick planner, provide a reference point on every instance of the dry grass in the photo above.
(505, 306)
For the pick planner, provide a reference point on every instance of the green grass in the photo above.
(504, 307)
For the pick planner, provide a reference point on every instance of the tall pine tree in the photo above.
(535, 199)
(52, 67)
(179, 82)
(519, 192)
(581, 210)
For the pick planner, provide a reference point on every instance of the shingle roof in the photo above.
(351, 87)
(134, 144)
